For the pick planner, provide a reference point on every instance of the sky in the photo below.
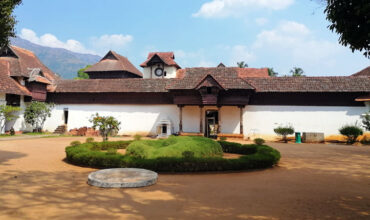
(280, 34)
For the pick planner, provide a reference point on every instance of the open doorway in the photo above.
(65, 116)
(211, 122)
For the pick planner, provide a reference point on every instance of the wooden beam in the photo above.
(241, 119)
(219, 119)
(201, 119)
(180, 118)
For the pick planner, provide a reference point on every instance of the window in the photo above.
(209, 90)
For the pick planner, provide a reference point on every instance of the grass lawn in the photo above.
(175, 147)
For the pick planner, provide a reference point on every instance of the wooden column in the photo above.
(241, 119)
(201, 119)
(180, 117)
(219, 119)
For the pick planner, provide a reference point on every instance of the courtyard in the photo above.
(312, 181)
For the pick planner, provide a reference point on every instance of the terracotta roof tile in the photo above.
(364, 72)
(9, 85)
(112, 61)
(166, 57)
(310, 84)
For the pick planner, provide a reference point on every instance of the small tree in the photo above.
(351, 132)
(36, 114)
(106, 125)
(272, 72)
(366, 121)
(81, 73)
(296, 71)
(242, 64)
(7, 113)
(284, 132)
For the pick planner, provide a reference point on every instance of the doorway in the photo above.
(211, 122)
(66, 116)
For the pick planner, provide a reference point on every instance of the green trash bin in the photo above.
(298, 137)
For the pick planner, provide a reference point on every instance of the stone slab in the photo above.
(122, 178)
(313, 137)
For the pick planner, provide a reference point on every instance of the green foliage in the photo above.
(12, 132)
(188, 154)
(366, 121)
(223, 138)
(351, 20)
(81, 73)
(174, 147)
(7, 21)
(89, 140)
(284, 131)
(137, 137)
(107, 125)
(75, 143)
(242, 64)
(351, 132)
(296, 71)
(272, 72)
(111, 151)
(365, 141)
(36, 114)
(259, 141)
(236, 148)
(7, 113)
(263, 157)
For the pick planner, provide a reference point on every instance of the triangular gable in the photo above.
(110, 55)
(209, 81)
(155, 59)
(8, 52)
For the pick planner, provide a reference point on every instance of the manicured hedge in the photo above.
(263, 157)
(236, 148)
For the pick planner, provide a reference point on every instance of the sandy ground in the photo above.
(311, 182)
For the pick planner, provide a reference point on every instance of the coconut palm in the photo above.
(296, 71)
(272, 72)
(242, 64)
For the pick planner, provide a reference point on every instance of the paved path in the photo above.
(24, 137)
(311, 182)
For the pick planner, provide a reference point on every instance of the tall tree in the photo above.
(296, 71)
(272, 72)
(242, 64)
(81, 73)
(7, 20)
(351, 20)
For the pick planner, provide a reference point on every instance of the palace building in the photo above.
(165, 99)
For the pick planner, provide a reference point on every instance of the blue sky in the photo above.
(265, 33)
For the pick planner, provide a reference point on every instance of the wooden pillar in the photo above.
(241, 119)
(219, 119)
(180, 117)
(201, 119)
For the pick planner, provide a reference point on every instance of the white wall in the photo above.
(170, 72)
(261, 120)
(19, 124)
(135, 119)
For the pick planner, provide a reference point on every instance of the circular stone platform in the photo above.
(122, 178)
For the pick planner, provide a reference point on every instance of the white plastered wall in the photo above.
(135, 119)
(170, 72)
(19, 124)
(261, 120)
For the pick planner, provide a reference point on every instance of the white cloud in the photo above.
(240, 53)
(225, 8)
(98, 45)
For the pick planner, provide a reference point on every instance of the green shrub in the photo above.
(137, 137)
(351, 132)
(236, 148)
(223, 138)
(284, 132)
(264, 157)
(112, 151)
(89, 140)
(259, 141)
(75, 143)
(365, 141)
(188, 154)
(12, 132)
(173, 147)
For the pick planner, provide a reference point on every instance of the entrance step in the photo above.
(61, 129)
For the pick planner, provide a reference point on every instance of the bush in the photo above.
(365, 141)
(264, 157)
(236, 148)
(351, 132)
(223, 138)
(112, 151)
(75, 143)
(188, 154)
(89, 140)
(284, 132)
(137, 137)
(12, 132)
(107, 125)
(259, 141)
(173, 147)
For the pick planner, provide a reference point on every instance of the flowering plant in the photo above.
(106, 125)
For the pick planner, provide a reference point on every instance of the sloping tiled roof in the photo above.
(167, 57)
(310, 84)
(364, 72)
(112, 61)
(228, 78)
(9, 85)
(113, 85)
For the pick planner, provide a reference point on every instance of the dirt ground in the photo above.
(312, 181)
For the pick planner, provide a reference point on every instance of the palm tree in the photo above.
(296, 71)
(272, 72)
(242, 64)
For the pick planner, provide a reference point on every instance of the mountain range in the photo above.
(61, 61)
